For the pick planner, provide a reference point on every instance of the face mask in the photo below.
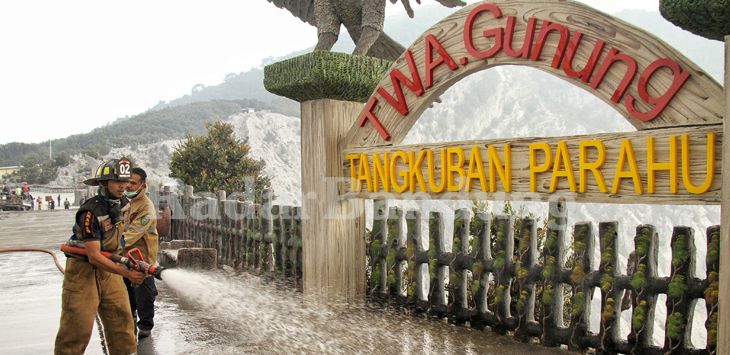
(132, 194)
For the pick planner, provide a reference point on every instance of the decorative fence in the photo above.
(243, 234)
(498, 276)
(503, 273)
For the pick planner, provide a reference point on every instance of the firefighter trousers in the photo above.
(86, 291)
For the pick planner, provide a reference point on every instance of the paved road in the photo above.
(218, 313)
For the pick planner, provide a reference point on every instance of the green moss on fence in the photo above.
(638, 317)
(325, 75)
(707, 18)
(675, 325)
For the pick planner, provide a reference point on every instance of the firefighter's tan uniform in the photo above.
(88, 290)
(141, 231)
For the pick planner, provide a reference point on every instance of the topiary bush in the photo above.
(706, 18)
(325, 75)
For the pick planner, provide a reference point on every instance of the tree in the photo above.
(218, 161)
(34, 172)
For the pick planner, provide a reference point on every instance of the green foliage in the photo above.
(712, 292)
(218, 161)
(499, 294)
(680, 253)
(499, 260)
(578, 302)
(713, 249)
(547, 295)
(607, 280)
(34, 171)
(712, 329)
(643, 241)
(522, 301)
(638, 317)
(638, 280)
(550, 269)
(577, 275)
(706, 18)
(375, 247)
(677, 287)
(325, 75)
(608, 312)
(675, 325)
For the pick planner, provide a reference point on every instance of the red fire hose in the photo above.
(62, 270)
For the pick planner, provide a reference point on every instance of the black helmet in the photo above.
(115, 169)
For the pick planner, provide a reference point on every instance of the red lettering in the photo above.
(524, 52)
(548, 27)
(397, 77)
(660, 103)
(612, 57)
(431, 44)
(585, 73)
(494, 32)
(368, 115)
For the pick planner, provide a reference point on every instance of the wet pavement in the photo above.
(214, 313)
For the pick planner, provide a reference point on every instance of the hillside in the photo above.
(150, 127)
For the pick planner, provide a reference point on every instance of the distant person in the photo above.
(32, 202)
(59, 200)
(40, 203)
(66, 204)
(6, 190)
(141, 233)
(93, 283)
(51, 204)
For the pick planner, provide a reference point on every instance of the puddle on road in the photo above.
(245, 315)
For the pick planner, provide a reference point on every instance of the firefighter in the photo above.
(141, 233)
(92, 283)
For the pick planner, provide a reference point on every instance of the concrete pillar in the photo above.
(332, 229)
(723, 342)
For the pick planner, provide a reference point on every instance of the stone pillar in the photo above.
(333, 245)
(331, 88)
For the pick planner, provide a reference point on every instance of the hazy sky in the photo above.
(69, 66)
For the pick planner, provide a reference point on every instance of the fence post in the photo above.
(285, 223)
(552, 294)
(643, 284)
(679, 292)
(187, 208)
(417, 289)
(439, 265)
(711, 294)
(397, 245)
(267, 230)
(481, 270)
(503, 265)
(218, 222)
(610, 294)
(525, 278)
(461, 266)
(723, 342)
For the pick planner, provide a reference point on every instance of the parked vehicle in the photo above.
(10, 201)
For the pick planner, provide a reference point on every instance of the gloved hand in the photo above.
(115, 212)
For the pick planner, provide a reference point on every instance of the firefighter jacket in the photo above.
(103, 220)
(141, 231)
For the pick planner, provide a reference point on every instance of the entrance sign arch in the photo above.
(675, 157)
(677, 108)
(644, 79)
